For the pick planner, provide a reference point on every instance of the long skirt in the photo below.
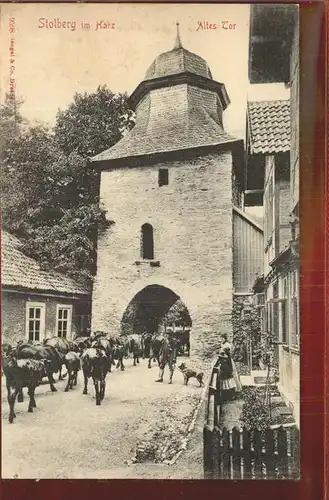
(238, 385)
(227, 384)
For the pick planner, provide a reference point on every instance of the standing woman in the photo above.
(226, 379)
(227, 345)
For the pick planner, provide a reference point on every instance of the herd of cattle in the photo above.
(27, 363)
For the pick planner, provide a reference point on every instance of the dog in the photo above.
(189, 373)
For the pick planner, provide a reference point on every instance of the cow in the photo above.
(120, 346)
(104, 344)
(155, 347)
(40, 352)
(21, 373)
(136, 347)
(146, 344)
(167, 355)
(94, 363)
(63, 346)
(81, 343)
(72, 364)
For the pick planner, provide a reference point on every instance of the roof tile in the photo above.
(269, 126)
(22, 272)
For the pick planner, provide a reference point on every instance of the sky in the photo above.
(51, 64)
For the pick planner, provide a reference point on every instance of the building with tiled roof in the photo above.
(268, 133)
(38, 303)
(272, 181)
(170, 185)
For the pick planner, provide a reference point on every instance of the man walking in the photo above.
(167, 355)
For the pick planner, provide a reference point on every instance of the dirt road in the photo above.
(68, 436)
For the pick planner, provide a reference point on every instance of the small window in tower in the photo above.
(163, 177)
(147, 243)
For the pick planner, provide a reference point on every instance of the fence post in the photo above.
(295, 452)
(226, 455)
(283, 452)
(207, 453)
(257, 442)
(236, 436)
(216, 453)
(247, 454)
(269, 454)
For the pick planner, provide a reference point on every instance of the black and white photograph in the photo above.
(150, 241)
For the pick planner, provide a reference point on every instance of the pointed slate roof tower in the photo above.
(178, 106)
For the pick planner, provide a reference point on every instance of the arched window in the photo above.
(147, 243)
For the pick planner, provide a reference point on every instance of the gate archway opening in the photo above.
(153, 309)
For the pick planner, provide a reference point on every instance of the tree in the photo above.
(178, 314)
(49, 188)
(93, 122)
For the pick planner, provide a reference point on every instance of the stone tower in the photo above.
(168, 186)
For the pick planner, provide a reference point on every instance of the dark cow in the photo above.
(81, 343)
(167, 355)
(105, 345)
(120, 346)
(119, 353)
(72, 364)
(146, 344)
(21, 373)
(41, 352)
(63, 346)
(136, 347)
(94, 363)
(155, 347)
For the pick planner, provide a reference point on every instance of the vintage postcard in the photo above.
(150, 241)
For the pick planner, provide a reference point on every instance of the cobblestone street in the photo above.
(68, 436)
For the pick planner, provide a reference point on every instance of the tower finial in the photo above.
(178, 43)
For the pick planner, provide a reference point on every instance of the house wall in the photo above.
(269, 213)
(294, 107)
(13, 308)
(289, 354)
(289, 369)
(192, 221)
(248, 254)
(285, 328)
(284, 212)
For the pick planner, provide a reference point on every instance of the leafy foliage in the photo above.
(255, 415)
(178, 314)
(93, 122)
(49, 188)
(246, 327)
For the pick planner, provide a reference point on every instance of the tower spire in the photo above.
(178, 43)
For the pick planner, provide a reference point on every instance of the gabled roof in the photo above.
(269, 127)
(20, 272)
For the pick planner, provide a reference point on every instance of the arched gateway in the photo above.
(168, 186)
(153, 308)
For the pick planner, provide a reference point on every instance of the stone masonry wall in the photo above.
(192, 222)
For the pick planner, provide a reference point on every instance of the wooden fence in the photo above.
(240, 454)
